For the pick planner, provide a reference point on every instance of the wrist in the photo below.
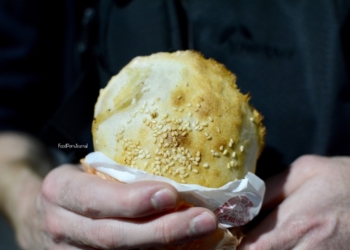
(21, 158)
(18, 185)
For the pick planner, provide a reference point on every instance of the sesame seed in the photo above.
(181, 109)
(195, 171)
(198, 105)
(216, 154)
(179, 97)
(234, 154)
(218, 129)
(206, 165)
(241, 148)
(232, 163)
(209, 137)
(198, 159)
(189, 105)
(210, 119)
(225, 152)
(228, 165)
(221, 148)
(195, 163)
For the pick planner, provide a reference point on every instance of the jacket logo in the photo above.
(242, 42)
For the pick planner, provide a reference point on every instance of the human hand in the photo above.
(76, 210)
(310, 205)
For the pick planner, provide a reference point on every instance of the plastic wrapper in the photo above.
(235, 204)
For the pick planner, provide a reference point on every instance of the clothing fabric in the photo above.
(291, 56)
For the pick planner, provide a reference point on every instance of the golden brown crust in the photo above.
(181, 116)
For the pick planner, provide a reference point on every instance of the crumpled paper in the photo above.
(235, 204)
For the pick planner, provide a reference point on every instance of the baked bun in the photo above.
(181, 116)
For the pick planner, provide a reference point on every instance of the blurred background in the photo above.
(7, 237)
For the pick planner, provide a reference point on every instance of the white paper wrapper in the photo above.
(235, 203)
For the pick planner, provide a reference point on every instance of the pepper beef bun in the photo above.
(181, 116)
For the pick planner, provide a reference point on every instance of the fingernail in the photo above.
(202, 224)
(163, 199)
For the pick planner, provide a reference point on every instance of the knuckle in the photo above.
(306, 160)
(163, 232)
(109, 236)
(87, 203)
(55, 181)
(307, 164)
(49, 186)
(53, 228)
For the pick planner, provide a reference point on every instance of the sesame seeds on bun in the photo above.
(181, 116)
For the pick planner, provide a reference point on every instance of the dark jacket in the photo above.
(292, 56)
